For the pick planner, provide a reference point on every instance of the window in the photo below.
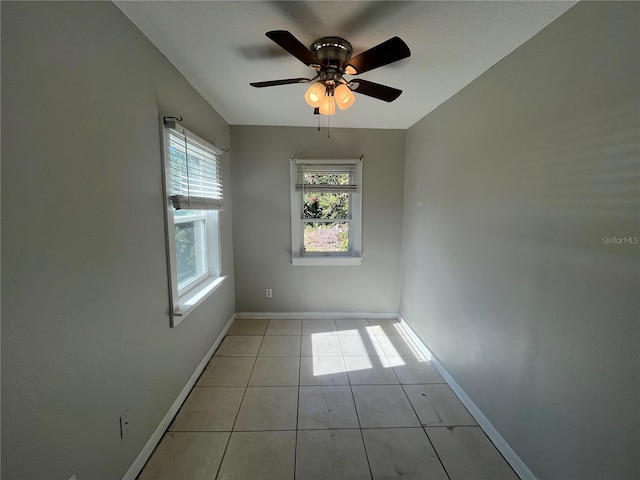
(326, 201)
(194, 197)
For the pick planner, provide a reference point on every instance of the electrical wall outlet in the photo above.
(124, 424)
(269, 293)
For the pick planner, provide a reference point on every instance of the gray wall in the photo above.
(509, 188)
(85, 325)
(262, 221)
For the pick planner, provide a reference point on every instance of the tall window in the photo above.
(325, 212)
(194, 196)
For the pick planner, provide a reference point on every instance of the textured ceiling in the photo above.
(220, 47)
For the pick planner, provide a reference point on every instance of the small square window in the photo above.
(325, 212)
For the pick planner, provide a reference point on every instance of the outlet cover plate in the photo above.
(124, 424)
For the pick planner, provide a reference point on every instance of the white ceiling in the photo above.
(220, 46)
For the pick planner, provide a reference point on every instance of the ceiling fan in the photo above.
(331, 58)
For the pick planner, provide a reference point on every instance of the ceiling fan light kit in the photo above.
(344, 97)
(331, 59)
(328, 105)
(327, 98)
(315, 93)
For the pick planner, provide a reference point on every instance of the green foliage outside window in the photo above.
(186, 251)
(325, 205)
(326, 236)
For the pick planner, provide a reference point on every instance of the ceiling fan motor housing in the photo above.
(333, 52)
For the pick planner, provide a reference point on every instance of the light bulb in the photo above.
(315, 94)
(344, 97)
(328, 105)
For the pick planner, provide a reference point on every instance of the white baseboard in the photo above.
(500, 443)
(137, 465)
(313, 315)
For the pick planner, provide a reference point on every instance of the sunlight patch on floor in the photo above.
(375, 343)
(328, 366)
(326, 363)
(372, 336)
(396, 361)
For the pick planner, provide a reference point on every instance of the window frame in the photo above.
(183, 300)
(299, 257)
(212, 239)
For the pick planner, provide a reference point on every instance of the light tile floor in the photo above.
(323, 399)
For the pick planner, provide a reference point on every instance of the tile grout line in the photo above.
(322, 429)
(425, 432)
(355, 407)
(299, 378)
(295, 444)
(494, 446)
(421, 425)
(239, 407)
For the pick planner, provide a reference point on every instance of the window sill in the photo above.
(194, 297)
(325, 261)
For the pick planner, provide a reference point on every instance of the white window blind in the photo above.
(339, 177)
(196, 181)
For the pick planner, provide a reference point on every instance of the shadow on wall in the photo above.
(555, 185)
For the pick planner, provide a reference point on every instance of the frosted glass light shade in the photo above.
(328, 105)
(344, 97)
(315, 94)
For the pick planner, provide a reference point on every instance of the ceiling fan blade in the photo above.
(387, 52)
(292, 45)
(286, 81)
(375, 90)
